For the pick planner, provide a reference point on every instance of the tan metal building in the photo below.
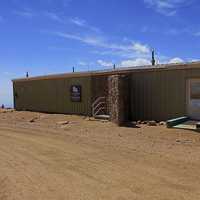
(155, 92)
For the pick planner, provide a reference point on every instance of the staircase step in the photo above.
(104, 117)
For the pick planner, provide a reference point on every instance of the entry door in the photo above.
(194, 99)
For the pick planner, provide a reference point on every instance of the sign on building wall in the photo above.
(76, 93)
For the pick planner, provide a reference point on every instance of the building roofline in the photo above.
(122, 70)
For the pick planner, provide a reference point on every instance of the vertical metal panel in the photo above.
(160, 95)
(53, 96)
(83, 107)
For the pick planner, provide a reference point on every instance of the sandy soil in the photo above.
(62, 157)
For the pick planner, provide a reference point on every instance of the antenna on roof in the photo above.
(153, 61)
(27, 75)
(73, 69)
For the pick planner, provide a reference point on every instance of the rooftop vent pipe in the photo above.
(153, 61)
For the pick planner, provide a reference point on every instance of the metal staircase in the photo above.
(99, 108)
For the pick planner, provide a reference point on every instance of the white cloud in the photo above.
(105, 63)
(7, 73)
(141, 48)
(75, 21)
(83, 24)
(145, 62)
(197, 34)
(167, 7)
(87, 64)
(135, 62)
(54, 16)
(82, 63)
(78, 22)
(176, 60)
(90, 40)
(195, 60)
(26, 13)
(6, 89)
(133, 49)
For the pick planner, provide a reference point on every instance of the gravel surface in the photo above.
(65, 157)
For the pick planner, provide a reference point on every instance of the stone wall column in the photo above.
(119, 98)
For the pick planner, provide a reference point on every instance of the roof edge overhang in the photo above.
(124, 70)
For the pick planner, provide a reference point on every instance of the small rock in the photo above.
(104, 121)
(33, 120)
(62, 123)
(134, 123)
(65, 127)
(152, 123)
(162, 123)
(87, 119)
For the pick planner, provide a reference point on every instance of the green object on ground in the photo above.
(174, 122)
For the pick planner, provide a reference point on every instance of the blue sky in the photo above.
(52, 36)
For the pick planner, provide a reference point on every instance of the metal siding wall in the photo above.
(19, 90)
(53, 96)
(83, 107)
(60, 85)
(40, 96)
(158, 95)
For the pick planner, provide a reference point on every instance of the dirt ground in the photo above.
(64, 157)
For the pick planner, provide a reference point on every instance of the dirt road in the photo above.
(90, 160)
